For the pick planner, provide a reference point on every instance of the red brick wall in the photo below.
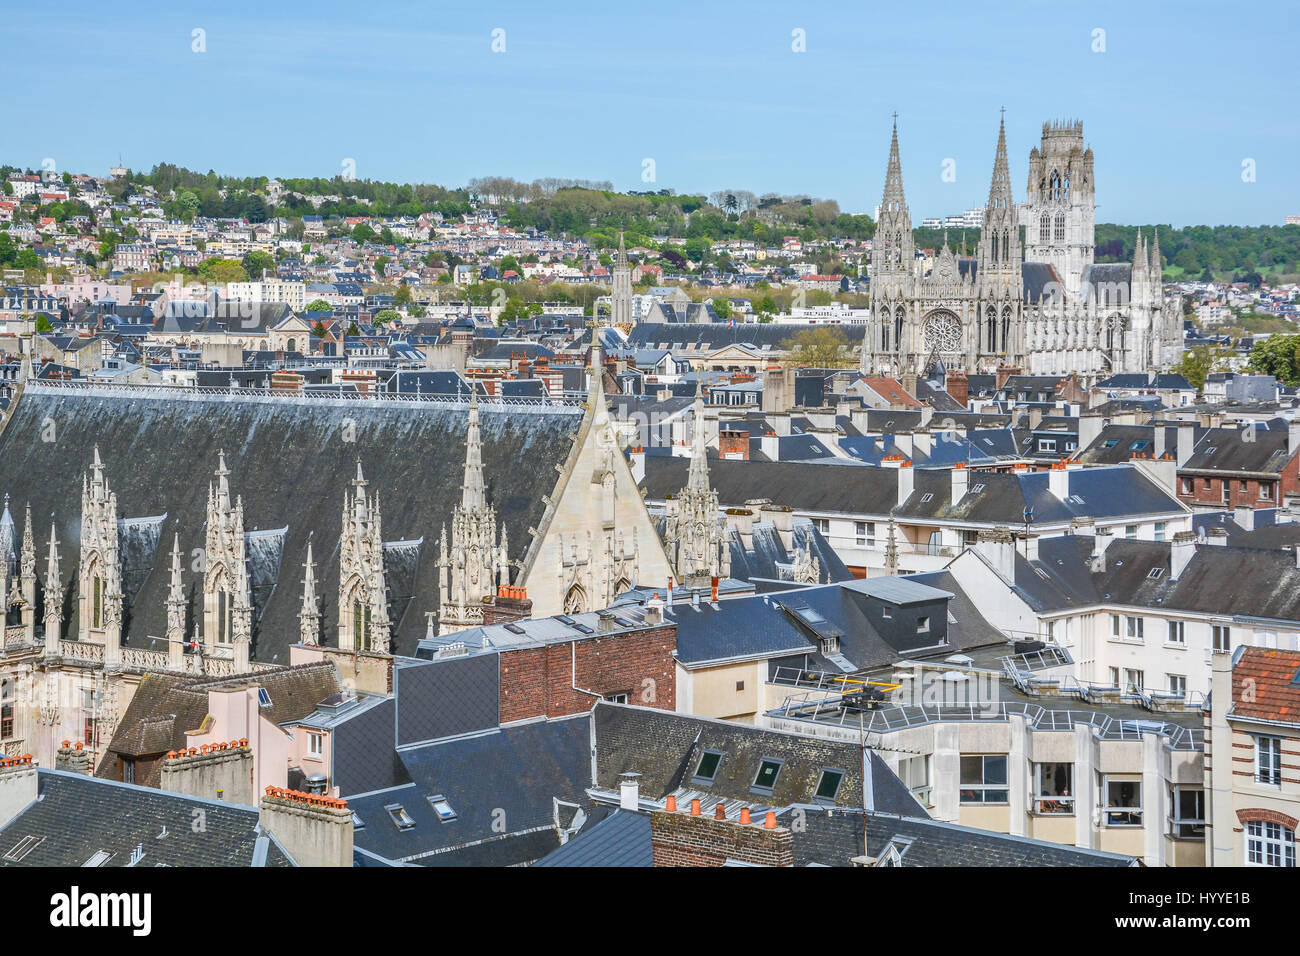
(540, 681)
(679, 839)
(1267, 816)
(733, 444)
(1212, 494)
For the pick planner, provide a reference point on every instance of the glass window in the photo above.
(765, 779)
(1055, 788)
(1123, 802)
(1269, 844)
(1268, 760)
(1177, 633)
(829, 784)
(915, 773)
(984, 778)
(442, 808)
(399, 816)
(1187, 813)
(707, 768)
(1221, 637)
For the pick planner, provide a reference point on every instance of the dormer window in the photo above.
(769, 768)
(399, 816)
(707, 769)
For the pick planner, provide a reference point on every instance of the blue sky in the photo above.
(712, 92)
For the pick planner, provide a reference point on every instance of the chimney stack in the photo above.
(1058, 481)
(629, 792)
(1181, 553)
(906, 481)
(999, 549)
(316, 830)
(1100, 542)
(960, 481)
(1244, 515)
(18, 787)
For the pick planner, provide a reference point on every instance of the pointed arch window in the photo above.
(995, 247)
(1056, 185)
(1060, 227)
(575, 602)
(991, 328)
(1006, 325)
(1045, 228)
(898, 328)
(97, 602)
(361, 619)
(225, 607)
(884, 330)
(1006, 246)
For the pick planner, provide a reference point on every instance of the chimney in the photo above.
(1158, 440)
(1100, 542)
(1035, 417)
(960, 482)
(654, 609)
(605, 622)
(1090, 427)
(776, 389)
(733, 445)
(999, 549)
(908, 382)
(780, 422)
(216, 771)
(698, 839)
(770, 445)
(1186, 441)
(1058, 480)
(922, 442)
(713, 584)
(903, 443)
(1180, 553)
(782, 519)
(1244, 515)
(1292, 437)
(629, 791)
(72, 759)
(316, 830)
(906, 481)
(1217, 536)
(1297, 556)
(18, 787)
(1004, 372)
(958, 387)
(1031, 547)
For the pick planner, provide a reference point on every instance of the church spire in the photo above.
(621, 261)
(472, 496)
(893, 199)
(698, 479)
(309, 614)
(1000, 195)
(223, 482)
(53, 596)
(1156, 267)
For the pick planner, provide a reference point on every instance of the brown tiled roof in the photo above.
(1266, 685)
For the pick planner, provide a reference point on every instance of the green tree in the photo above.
(818, 347)
(43, 323)
(320, 305)
(222, 270)
(255, 261)
(403, 295)
(384, 316)
(362, 233)
(722, 307)
(1199, 361)
(1279, 356)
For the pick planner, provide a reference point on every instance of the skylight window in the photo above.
(263, 697)
(926, 497)
(399, 816)
(976, 489)
(442, 808)
(357, 822)
(707, 768)
(23, 847)
(829, 784)
(1155, 573)
(98, 858)
(514, 629)
(769, 768)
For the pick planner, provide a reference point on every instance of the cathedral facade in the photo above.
(1031, 297)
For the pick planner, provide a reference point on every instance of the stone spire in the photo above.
(891, 549)
(227, 597)
(1139, 253)
(472, 495)
(309, 615)
(1000, 188)
(363, 589)
(893, 199)
(698, 479)
(1156, 269)
(99, 576)
(176, 610)
(53, 597)
(27, 577)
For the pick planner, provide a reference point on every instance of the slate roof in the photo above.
(665, 749)
(1237, 451)
(768, 558)
(1219, 579)
(835, 838)
(1114, 445)
(160, 453)
(1102, 493)
(511, 774)
(76, 816)
(621, 839)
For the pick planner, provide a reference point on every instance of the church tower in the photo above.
(1061, 204)
(892, 268)
(472, 561)
(1000, 257)
(620, 299)
(363, 590)
(695, 534)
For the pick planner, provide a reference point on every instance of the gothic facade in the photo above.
(1038, 303)
(551, 477)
